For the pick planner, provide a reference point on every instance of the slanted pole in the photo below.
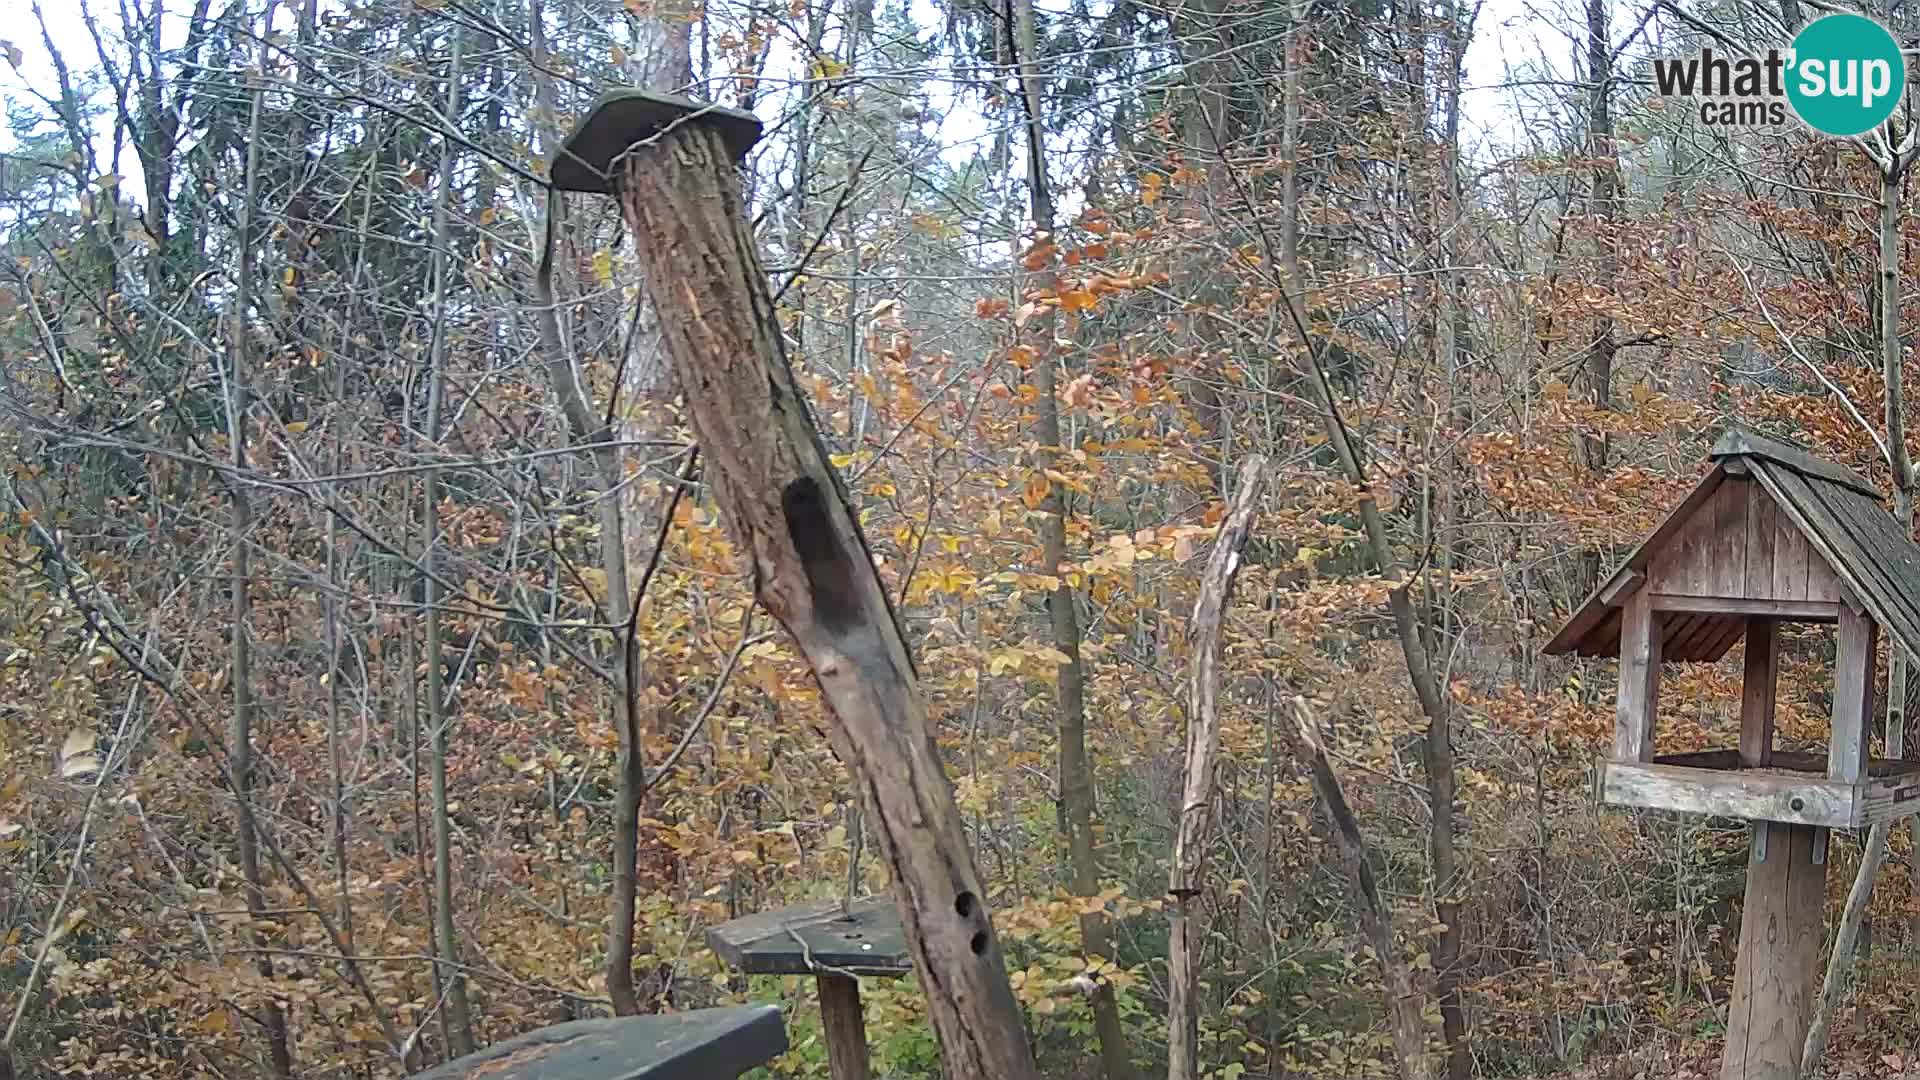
(788, 513)
(1777, 973)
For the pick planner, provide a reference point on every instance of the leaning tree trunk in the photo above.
(1206, 633)
(788, 511)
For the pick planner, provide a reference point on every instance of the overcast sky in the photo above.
(1520, 50)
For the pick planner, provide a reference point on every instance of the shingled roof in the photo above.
(1842, 518)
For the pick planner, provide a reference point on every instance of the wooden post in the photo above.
(1852, 692)
(846, 1027)
(1639, 695)
(1757, 686)
(1185, 929)
(1777, 972)
(671, 162)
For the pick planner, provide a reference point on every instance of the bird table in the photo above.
(713, 1044)
(835, 945)
(1770, 537)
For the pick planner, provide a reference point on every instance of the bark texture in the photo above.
(787, 510)
(1206, 633)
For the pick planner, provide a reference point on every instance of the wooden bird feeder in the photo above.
(1771, 535)
(720, 1044)
(834, 944)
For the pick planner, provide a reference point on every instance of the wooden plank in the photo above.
(1760, 524)
(1841, 526)
(846, 1027)
(1616, 590)
(720, 1043)
(1706, 629)
(1639, 680)
(1757, 683)
(1816, 525)
(1789, 558)
(1736, 442)
(1729, 632)
(1792, 610)
(1890, 770)
(1891, 797)
(1878, 553)
(1852, 691)
(1867, 543)
(1775, 795)
(1725, 571)
(1674, 634)
(1777, 971)
(1591, 611)
(865, 938)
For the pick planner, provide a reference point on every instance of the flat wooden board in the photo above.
(1793, 788)
(713, 1044)
(808, 938)
(620, 118)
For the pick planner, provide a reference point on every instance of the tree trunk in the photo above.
(787, 510)
(1840, 962)
(1205, 635)
(446, 939)
(1076, 770)
(1405, 1003)
(1413, 1060)
(240, 734)
(1603, 208)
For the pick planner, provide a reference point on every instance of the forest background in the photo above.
(359, 710)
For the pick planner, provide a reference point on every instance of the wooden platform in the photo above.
(1793, 789)
(865, 939)
(713, 1044)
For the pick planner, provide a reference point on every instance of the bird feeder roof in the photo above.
(1841, 517)
(865, 938)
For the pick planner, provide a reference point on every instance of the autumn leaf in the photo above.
(1036, 490)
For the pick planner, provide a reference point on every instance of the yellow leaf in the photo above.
(1150, 188)
(1078, 300)
(296, 427)
(603, 266)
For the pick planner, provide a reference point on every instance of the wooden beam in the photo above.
(1852, 691)
(1639, 680)
(1757, 685)
(1777, 971)
(1623, 583)
(1791, 610)
(1802, 800)
(721, 1043)
(845, 1025)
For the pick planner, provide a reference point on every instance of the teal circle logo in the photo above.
(1846, 76)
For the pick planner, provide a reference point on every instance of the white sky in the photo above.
(1519, 59)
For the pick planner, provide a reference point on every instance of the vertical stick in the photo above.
(1757, 686)
(1639, 679)
(845, 1026)
(1782, 927)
